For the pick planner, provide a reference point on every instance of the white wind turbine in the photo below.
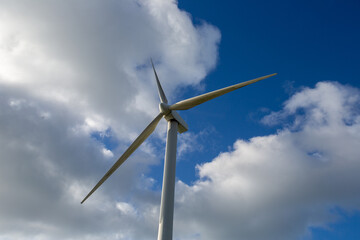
(175, 124)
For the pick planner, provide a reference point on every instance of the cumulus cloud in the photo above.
(48, 167)
(278, 186)
(72, 70)
(94, 56)
(69, 69)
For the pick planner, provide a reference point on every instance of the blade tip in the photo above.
(271, 75)
(85, 199)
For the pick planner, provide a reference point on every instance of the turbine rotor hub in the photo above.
(164, 108)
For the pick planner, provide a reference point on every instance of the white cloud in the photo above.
(48, 168)
(126, 208)
(69, 68)
(72, 68)
(94, 56)
(107, 153)
(277, 186)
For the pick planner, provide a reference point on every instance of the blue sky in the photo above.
(304, 41)
(274, 160)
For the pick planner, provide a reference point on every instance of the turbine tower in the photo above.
(175, 124)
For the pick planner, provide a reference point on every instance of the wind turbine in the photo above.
(175, 124)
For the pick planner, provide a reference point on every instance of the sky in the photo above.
(275, 160)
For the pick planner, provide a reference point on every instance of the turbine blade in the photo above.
(162, 96)
(192, 102)
(138, 141)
